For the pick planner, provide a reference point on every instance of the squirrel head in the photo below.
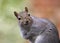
(23, 17)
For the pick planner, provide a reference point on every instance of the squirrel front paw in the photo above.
(27, 36)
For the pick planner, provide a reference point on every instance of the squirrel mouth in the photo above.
(26, 24)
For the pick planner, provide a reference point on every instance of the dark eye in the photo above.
(19, 18)
(28, 14)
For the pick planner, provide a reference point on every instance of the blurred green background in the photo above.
(9, 29)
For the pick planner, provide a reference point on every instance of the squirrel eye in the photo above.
(19, 18)
(28, 14)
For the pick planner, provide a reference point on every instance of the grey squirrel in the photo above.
(36, 30)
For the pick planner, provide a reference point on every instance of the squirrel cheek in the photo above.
(20, 22)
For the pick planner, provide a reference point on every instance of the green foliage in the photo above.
(9, 30)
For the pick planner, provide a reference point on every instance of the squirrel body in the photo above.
(37, 30)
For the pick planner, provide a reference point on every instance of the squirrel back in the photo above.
(36, 30)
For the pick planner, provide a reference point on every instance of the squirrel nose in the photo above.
(26, 21)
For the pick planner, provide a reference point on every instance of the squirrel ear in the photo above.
(16, 14)
(26, 9)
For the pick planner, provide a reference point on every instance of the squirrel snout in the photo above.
(26, 22)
